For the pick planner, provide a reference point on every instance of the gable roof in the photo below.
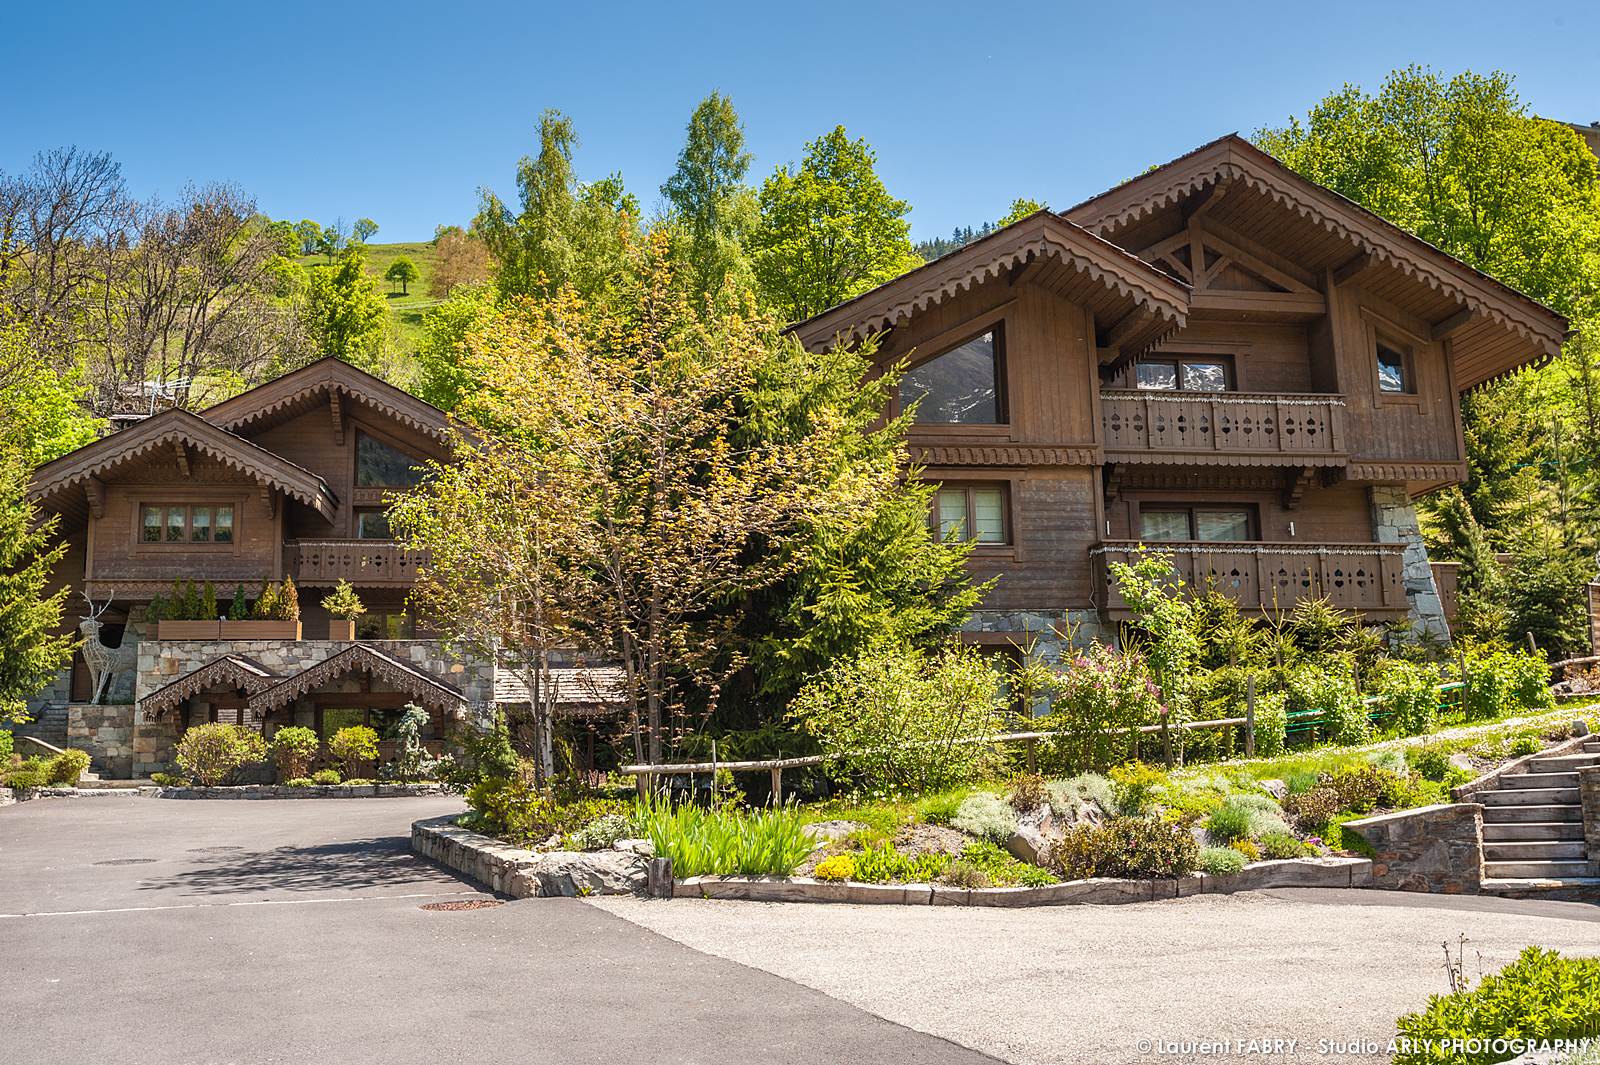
(1231, 160)
(80, 469)
(236, 671)
(1110, 281)
(294, 393)
(424, 687)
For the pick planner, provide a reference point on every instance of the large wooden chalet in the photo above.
(1219, 358)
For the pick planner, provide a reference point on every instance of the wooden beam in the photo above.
(336, 408)
(1299, 481)
(269, 501)
(181, 451)
(1202, 202)
(1348, 270)
(1121, 329)
(94, 491)
(1445, 326)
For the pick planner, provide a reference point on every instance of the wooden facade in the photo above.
(1219, 353)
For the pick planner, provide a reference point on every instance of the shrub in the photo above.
(343, 602)
(1409, 694)
(1100, 695)
(964, 874)
(1229, 822)
(1028, 792)
(835, 867)
(1357, 787)
(1001, 868)
(6, 747)
(1312, 810)
(293, 749)
(298, 782)
(1431, 761)
(1541, 996)
(213, 753)
(904, 720)
(1272, 723)
(352, 746)
(1220, 861)
(1133, 788)
(985, 816)
(1344, 717)
(1251, 852)
(700, 842)
(1280, 845)
(31, 773)
(882, 863)
(65, 768)
(1523, 746)
(325, 776)
(167, 780)
(1502, 682)
(599, 834)
(1135, 847)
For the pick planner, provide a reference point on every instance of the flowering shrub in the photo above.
(212, 754)
(835, 867)
(293, 748)
(352, 746)
(1096, 701)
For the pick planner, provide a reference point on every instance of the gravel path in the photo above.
(1084, 985)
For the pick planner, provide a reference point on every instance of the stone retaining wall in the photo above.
(523, 874)
(1394, 521)
(1434, 848)
(313, 791)
(1589, 790)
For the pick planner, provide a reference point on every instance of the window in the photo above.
(974, 512)
(373, 525)
(380, 466)
(382, 626)
(1185, 374)
(959, 387)
(173, 523)
(1213, 524)
(1394, 370)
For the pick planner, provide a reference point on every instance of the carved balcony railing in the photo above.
(1270, 576)
(1242, 428)
(316, 562)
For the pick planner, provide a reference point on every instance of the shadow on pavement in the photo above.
(350, 864)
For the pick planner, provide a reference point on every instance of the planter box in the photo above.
(188, 630)
(260, 630)
(341, 630)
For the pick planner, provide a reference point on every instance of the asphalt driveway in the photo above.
(173, 932)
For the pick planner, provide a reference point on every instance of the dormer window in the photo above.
(1394, 370)
(378, 465)
(960, 386)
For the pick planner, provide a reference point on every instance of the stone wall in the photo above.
(1434, 848)
(1594, 617)
(120, 743)
(1394, 521)
(1589, 790)
(1049, 634)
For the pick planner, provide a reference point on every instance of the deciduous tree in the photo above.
(32, 652)
(344, 310)
(401, 272)
(363, 230)
(709, 197)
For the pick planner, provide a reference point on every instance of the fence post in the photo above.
(713, 773)
(1533, 648)
(1166, 742)
(777, 785)
(1033, 762)
(1250, 716)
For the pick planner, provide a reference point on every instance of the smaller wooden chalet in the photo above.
(288, 480)
(1218, 358)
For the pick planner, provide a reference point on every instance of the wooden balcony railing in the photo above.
(1144, 425)
(315, 562)
(1271, 576)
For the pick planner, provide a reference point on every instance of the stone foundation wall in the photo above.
(1394, 521)
(1050, 634)
(120, 743)
(1589, 790)
(1434, 848)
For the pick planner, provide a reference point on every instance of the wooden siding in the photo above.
(1340, 513)
(1150, 426)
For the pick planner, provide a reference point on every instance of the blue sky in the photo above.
(401, 111)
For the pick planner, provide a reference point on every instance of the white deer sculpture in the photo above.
(104, 662)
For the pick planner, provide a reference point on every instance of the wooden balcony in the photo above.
(1271, 576)
(1231, 428)
(361, 562)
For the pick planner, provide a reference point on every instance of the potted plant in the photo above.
(189, 613)
(275, 615)
(343, 607)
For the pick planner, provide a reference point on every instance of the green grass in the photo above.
(405, 312)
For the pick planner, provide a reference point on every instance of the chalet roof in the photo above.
(64, 482)
(1498, 329)
(294, 393)
(230, 670)
(575, 687)
(428, 690)
(1106, 278)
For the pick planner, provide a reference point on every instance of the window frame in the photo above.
(1408, 366)
(362, 429)
(946, 344)
(1252, 512)
(188, 508)
(1007, 534)
(1226, 361)
(355, 524)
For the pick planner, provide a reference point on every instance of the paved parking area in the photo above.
(171, 932)
(1109, 985)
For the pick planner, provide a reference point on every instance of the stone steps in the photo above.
(50, 726)
(1537, 781)
(1502, 815)
(1532, 831)
(1547, 850)
(1537, 870)
(1567, 796)
(1573, 888)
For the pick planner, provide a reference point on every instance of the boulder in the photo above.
(1276, 788)
(1580, 728)
(1038, 832)
(635, 846)
(826, 832)
(1462, 761)
(573, 873)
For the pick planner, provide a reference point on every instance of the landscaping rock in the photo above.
(572, 873)
(1036, 837)
(1580, 728)
(1461, 760)
(927, 839)
(1276, 788)
(635, 846)
(828, 831)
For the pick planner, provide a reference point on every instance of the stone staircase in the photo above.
(50, 726)
(1533, 828)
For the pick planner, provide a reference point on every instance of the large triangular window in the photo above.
(380, 466)
(960, 386)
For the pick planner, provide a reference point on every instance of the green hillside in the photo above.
(405, 312)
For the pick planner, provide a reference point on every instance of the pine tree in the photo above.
(32, 652)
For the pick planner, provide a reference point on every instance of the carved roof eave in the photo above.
(334, 376)
(429, 691)
(1039, 235)
(234, 671)
(1236, 159)
(235, 452)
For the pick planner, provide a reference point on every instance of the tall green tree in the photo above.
(709, 197)
(562, 232)
(401, 272)
(363, 230)
(46, 411)
(32, 652)
(343, 313)
(829, 229)
(1021, 207)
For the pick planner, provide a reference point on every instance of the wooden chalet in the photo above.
(1218, 358)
